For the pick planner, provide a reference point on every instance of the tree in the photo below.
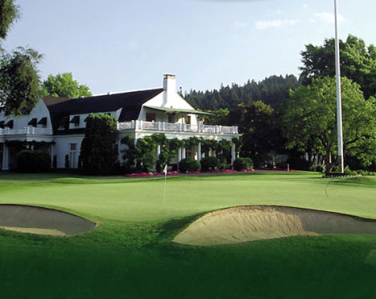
(9, 13)
(358, 63)
(99, 151)
(309, 121)
(63, 85)
(19, 79)
(261, 136)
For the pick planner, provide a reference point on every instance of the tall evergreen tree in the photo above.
(99, 152)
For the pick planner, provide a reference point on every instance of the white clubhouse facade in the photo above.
(57, 125)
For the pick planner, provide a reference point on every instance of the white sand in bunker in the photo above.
(250, 223)
(37, 220)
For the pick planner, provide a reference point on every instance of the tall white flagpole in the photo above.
(339, 97)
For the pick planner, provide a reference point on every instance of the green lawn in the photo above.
(130, 254)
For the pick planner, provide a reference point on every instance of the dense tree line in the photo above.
(272, 91)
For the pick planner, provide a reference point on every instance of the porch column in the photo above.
(233, 153)
(183, 153)
(180, 150)
(5, 157)
(199, 156)
(158, 151)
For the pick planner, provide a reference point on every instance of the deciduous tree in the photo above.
(309, 120)
(19, 79)
(358, 63)
(9, 13)
(63, 85)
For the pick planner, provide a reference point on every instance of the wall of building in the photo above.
(20, 122)
(67, 145)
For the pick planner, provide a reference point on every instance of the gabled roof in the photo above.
(130, 102)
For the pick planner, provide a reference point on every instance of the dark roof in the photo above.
(50, 100)
(131, 102)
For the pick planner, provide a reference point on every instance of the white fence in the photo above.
(170, 127)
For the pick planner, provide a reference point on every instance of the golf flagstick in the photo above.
(165, 177)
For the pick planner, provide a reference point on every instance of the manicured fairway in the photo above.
(130, 254)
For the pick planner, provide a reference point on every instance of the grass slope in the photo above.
(130, 254)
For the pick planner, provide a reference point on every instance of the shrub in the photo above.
(33, 161)
(210, 163)
(67, 163)
(348, 171)
(189, 164)
(54, 163)
(243, 163)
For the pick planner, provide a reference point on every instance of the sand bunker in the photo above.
(249, 223)
(37, 220)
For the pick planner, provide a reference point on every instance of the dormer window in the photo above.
(2, 124)
(33, 122)
(43, 122)
(9, 124)
(64, 123)
(75, 120)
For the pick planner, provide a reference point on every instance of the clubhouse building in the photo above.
(57, 125)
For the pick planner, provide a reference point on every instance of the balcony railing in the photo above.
(26, 131)
(170, 127)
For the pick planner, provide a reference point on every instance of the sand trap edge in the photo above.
(301, 221)
(43, 221)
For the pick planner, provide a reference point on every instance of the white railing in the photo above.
(162, 126)
(25, 131)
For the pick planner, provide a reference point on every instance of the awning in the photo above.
(178, 110)
(33, 122)
(43, 121)
(9, 124)
(75, 120)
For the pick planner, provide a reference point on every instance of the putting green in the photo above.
(249, 223)
(38, 220)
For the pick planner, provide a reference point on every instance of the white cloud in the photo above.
(325, 17)
(275, 23)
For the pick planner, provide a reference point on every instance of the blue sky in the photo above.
(119, 45)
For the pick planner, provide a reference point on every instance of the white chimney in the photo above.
(169, 88)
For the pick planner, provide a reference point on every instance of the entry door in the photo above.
(73, 155)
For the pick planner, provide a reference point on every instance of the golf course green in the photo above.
(130, 253)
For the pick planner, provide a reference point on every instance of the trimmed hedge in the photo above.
(210, 163)
(243, 164)
(189, 164)
(33, 161)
